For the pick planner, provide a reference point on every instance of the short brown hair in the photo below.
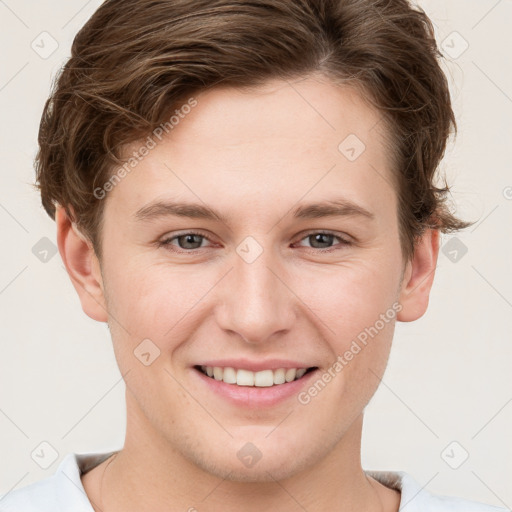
(136, 60)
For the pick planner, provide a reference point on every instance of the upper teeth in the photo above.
(265, 378)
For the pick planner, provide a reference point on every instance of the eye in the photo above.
(319, 240)
(191, 241)
(186, 241)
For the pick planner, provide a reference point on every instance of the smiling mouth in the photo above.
(261, 379)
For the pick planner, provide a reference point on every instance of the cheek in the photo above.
(357, 307)
(349, 298)
(152, 298)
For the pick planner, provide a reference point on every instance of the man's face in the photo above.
(261, 289)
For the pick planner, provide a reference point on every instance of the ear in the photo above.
(418, 277)
(82, 266)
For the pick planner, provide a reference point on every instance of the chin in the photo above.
(264, 471)
(265, 466)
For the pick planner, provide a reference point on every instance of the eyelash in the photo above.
(167, 241)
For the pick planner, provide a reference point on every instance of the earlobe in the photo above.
(419, 277)
(82, 266)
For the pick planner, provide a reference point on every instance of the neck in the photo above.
(147, 474)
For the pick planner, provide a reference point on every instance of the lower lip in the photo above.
(252, 397)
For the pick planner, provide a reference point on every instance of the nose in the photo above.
(256, 301)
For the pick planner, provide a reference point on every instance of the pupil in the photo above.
(190, 239)
(318, 235)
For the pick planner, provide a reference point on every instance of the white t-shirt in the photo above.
(64, 492)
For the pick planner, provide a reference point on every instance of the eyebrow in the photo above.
(340, 207)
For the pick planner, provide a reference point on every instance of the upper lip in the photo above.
(256, 366)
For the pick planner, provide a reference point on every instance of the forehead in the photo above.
(286, 140)
(307, 112)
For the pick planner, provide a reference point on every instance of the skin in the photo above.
(253, 156)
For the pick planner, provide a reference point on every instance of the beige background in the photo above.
(448, 377)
